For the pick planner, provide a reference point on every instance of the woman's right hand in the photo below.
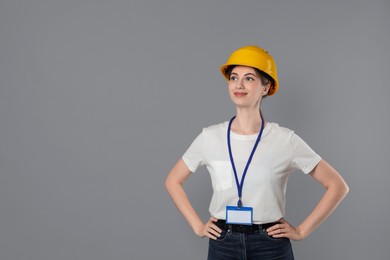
(209, 229)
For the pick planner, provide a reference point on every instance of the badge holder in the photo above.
(239, 216)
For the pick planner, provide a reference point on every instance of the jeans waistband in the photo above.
(243, 228)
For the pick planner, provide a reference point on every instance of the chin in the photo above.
(242, 105)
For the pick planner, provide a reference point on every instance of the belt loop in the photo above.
(230, 228)
(261, 228)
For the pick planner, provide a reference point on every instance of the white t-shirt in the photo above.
(279, 153)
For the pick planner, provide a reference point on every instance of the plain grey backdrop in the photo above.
(98, 100)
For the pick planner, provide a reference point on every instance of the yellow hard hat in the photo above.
(255, 57)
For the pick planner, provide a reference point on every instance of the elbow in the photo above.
(168, 184)
(345, 189)
(342, 189)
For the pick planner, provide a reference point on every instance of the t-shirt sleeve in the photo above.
(193, 157)
(303, 158)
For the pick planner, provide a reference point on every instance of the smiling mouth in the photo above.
(239, 94)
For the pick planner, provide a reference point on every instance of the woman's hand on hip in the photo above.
(285, 229)
(209, 229)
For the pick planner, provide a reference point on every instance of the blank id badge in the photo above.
(240, 216)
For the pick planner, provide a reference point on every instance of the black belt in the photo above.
(243, 228)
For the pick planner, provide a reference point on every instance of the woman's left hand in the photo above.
(285, 229)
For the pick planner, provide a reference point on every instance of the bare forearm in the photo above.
(174, 184)
(183, 204)
(336, 189)
(328, 203)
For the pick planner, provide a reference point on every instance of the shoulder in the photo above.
(278, 130)
(216, 127)
(215, 131)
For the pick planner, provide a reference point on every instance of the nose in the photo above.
(240, 84)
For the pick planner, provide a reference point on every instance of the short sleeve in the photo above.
(303, 158)
(193, 157)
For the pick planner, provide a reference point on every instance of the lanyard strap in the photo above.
(238, 184)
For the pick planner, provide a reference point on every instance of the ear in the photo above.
(266, 89)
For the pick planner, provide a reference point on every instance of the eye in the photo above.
(249, 79)
(232, 78)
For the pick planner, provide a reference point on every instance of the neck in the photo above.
(247, 121)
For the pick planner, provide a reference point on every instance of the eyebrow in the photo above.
(249, 73)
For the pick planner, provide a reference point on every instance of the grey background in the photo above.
(98, 100)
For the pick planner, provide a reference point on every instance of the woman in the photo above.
(249, 161)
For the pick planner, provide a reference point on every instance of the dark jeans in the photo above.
(257, 245)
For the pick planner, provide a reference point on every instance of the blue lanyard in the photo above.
(240, 185)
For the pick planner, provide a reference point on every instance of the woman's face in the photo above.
(245, 88)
